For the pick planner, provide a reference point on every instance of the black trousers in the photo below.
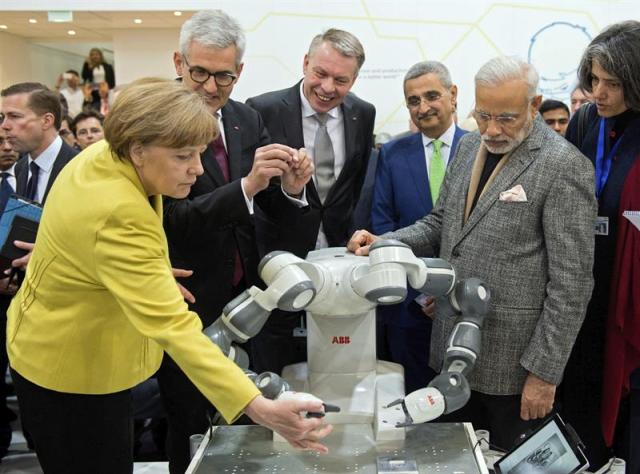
(499, 414)
(77, 433)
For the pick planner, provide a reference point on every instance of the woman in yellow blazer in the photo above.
(99, 303)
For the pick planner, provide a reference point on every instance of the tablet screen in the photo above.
(549, 450)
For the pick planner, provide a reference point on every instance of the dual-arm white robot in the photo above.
(340, 292)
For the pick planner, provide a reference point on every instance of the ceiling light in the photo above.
(33, 20)
(60, 16)
(137, 21)
(71, 32)
(177, 13)
(3, 27)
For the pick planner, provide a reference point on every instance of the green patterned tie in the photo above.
(436, 171)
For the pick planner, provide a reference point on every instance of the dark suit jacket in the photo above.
(362, 211)
(401, 192)
(401, 196)
(207, 228)
(22, 170)
(281, 111)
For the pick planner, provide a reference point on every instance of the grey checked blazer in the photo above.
(536, 256)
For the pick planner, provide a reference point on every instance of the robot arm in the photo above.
(275, 388)
(288, 288)
(468, 299)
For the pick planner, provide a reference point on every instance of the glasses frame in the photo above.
(502, 120)
(216, 75)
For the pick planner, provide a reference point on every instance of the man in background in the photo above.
(87, 128)
(408, 181)
(579, 97)
(8, 158)
(211, 232)
(72, 92)
(555, 114)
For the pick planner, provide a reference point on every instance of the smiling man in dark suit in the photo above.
(320, 114)
(408, 179)
(517, 209)
(211, 232)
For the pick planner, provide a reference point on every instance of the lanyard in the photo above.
(603, 163)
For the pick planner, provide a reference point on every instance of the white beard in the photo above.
(511, 143)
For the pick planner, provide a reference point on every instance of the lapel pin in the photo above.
(235, 127)
(354, 118)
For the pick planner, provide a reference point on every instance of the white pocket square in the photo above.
(515, 194)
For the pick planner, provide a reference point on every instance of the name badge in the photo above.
(602, 225)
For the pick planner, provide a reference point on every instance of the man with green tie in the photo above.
(408, 180)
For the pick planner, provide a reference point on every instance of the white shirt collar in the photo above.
(307, 110)
(446, 138)
(11, 171)
(48, 156)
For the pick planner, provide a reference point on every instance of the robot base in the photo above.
(360, 396)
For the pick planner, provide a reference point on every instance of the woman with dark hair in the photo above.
(96, 70)
(600, 377)
(99, 304)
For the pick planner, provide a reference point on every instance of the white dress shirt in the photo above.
(445, 149)
(11, 179)
(45, 162)
(335, 128)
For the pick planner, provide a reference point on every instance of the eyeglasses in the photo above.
(504, 120)
(429, 97)
(201, 75)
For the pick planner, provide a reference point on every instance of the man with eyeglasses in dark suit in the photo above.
(239, 167)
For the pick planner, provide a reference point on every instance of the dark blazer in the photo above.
(206, 228)
(362, 211)
(401, 192)
(401, 196)
(65, 155)
(281, 111)
(109, 76)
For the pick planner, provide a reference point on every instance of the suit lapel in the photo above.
(21, 176)
(454, 144)
(351, 123)
(417, 165)
(233, 138)
(292, 118)
(62, 159)
(517, 163)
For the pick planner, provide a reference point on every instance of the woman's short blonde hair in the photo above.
(158, 112)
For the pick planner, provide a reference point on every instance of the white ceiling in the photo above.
(94, 27)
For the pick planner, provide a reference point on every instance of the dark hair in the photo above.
(73, 71)
(84, 115)
(617, 51)
(551, 104)
(41, 99)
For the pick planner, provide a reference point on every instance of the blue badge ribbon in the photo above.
(603, 163)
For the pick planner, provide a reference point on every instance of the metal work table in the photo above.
(434, 447)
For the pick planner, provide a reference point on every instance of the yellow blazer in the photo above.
(99, 303)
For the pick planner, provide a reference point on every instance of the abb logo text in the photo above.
(341, 340)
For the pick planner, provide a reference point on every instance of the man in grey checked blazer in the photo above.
(517, 209)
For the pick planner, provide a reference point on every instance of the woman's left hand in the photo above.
(186, 294)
